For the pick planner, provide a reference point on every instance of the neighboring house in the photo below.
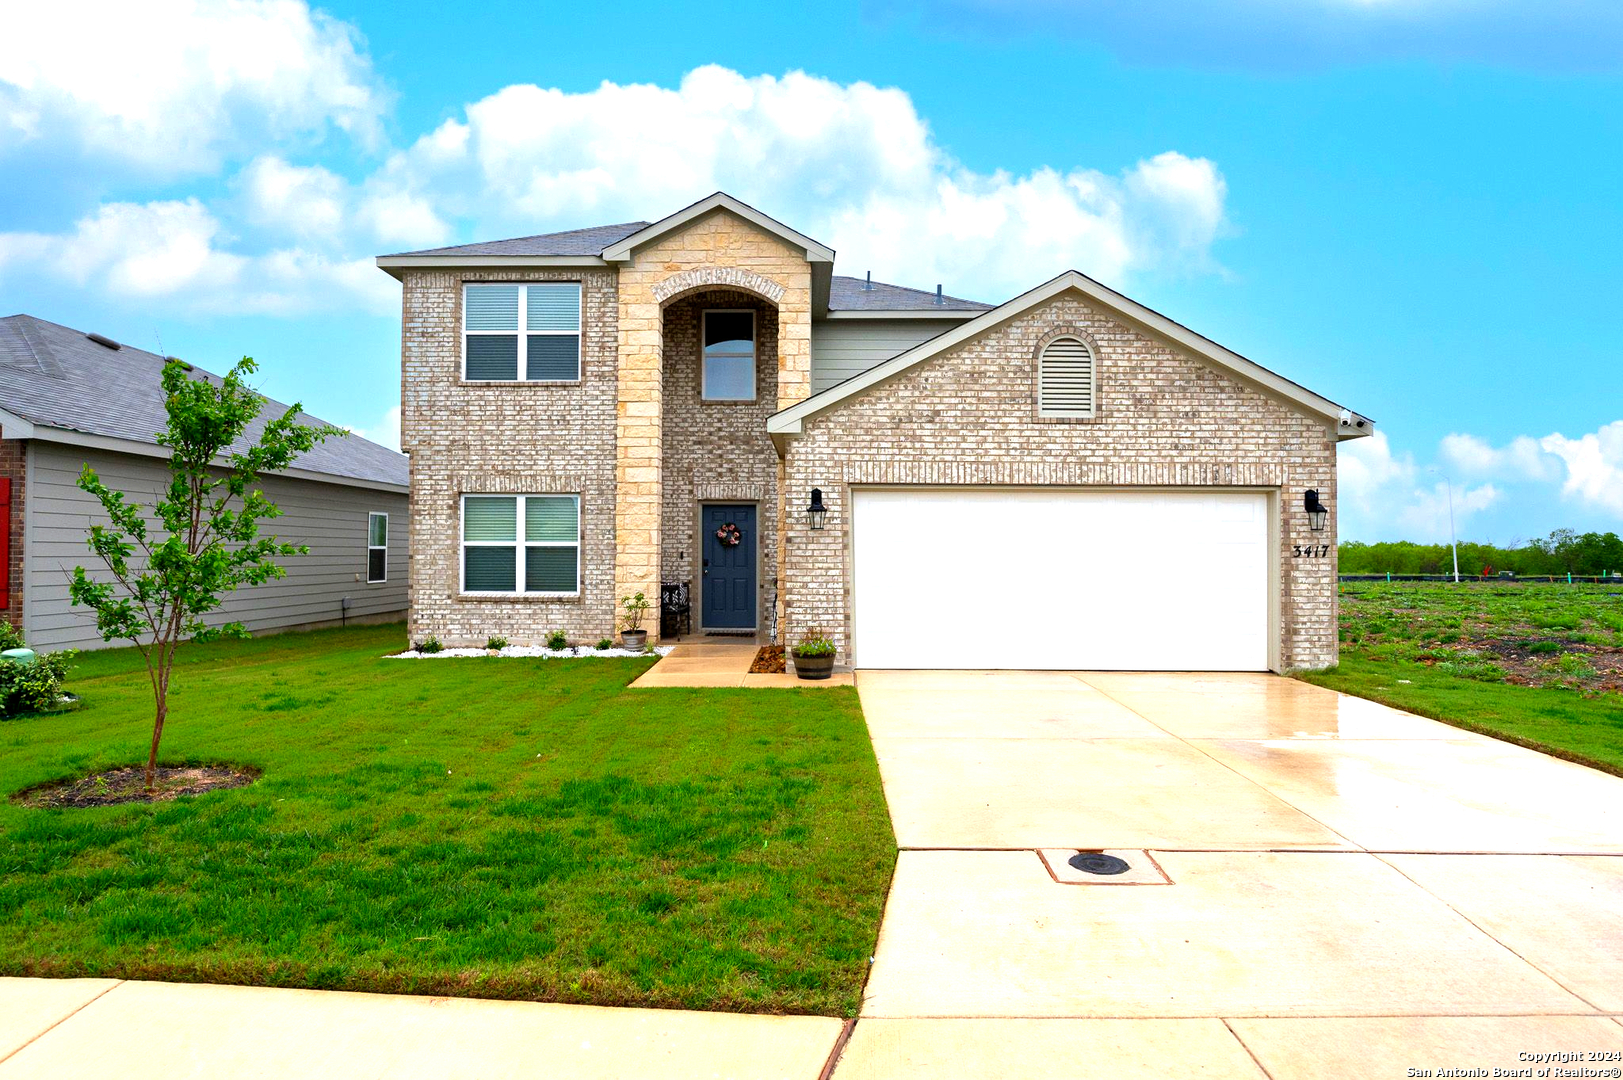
(1068, 480)
(70, 399)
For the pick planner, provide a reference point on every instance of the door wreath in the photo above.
(729, 536)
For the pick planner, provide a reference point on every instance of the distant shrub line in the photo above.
(1564, 551)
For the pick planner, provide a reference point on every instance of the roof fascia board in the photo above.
(13, 426)
(394, 265)
(904, 313)
(621, 251)
(790, 420)
(112, 444)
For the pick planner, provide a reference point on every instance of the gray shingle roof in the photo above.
(590, 241)
(851, 294)
(55, 376)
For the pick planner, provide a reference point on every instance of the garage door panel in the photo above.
(1060, 579)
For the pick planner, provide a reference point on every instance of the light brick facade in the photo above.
(722, 250)
(523, 438)
(717, 451)
(968, 416)
(14, 467)
(636, 441)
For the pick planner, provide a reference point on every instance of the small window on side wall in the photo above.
(377, 548)
(521, 333)
(1065, 380)
(729, 356)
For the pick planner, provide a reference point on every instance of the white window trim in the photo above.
(524, 332)
(519, 542)
(371, 547)
(754, 355)
(1092, 410)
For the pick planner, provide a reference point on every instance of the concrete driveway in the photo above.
(1319, 885)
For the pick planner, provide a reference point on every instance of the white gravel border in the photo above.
(576, 652)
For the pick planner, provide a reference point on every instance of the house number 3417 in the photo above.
(1310, 551)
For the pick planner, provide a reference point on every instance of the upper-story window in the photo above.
(729, 356)
(1065, 379)
(521, 332)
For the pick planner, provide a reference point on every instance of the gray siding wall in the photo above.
(330, 518)
(842, 348)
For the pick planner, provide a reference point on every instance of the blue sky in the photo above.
(1412, 206)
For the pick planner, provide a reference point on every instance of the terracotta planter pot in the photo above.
(633, 639)
(814, 667)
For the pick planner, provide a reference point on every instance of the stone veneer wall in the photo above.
(14, 465)
(721, 249)
(968, 416)
(523, 438)
(717, 451)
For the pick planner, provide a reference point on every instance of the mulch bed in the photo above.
(128, 785)
(769, 661)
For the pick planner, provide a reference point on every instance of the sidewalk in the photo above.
(54, 1028)
(723, 662)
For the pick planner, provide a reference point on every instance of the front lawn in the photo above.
(1536, 664)
(481, 827)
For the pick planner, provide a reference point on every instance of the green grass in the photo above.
(1538, 665)
(482, 827)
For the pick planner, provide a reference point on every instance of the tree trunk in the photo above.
(157, 734)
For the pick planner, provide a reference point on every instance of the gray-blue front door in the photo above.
(729, 570)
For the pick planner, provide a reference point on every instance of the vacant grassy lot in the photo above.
(1537, 664)
(484, 827)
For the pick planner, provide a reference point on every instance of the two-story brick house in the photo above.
(1068, 480)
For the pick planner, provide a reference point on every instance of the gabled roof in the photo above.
(859, 294)
(59, 385)
(621, 250)
(590, 241)
(790, 421)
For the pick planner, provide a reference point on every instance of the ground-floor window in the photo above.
(521, 544)
(377, 548)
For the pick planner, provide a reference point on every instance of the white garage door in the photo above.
(1061, 579)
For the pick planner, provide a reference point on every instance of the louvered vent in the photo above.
(1065, 379)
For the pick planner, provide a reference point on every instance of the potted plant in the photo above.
(633, 636)
(814, 656)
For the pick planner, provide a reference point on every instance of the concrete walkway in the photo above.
(1319, 885)
(56, 1028)
(723, 662)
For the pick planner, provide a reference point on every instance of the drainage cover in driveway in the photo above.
(1097, 862)
(1068, 866)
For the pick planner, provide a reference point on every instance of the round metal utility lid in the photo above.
(1097, 862)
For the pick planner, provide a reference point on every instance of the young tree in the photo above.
(208, 521)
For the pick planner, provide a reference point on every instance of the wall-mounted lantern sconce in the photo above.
(816, 512)
(1317, 512)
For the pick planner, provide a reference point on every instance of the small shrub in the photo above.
(1544, 647)
(496, 644)
(429, 644)
(604, 643)
(814, 643)
(1576, 665)
(10, 636)
(557, 641)
(1448, 638)
(36, 687)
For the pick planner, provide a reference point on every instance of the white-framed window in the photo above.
(377, 548)
(521, 544)
(521, 332)
(1065, 379)
(729, 355)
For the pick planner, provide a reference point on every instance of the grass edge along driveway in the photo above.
(479, 827)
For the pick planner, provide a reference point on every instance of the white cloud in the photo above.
(1594, 465)
(851, 164)
(386, 431)
(174, 86)
(300, 200)
(1425, 514)
(1521, 458)
(1387, 495)
(170, 250)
